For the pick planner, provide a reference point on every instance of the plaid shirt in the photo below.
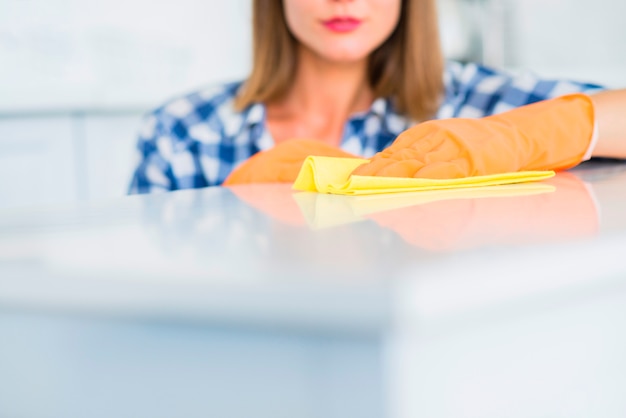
(197, 140)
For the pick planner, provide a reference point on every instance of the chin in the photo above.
(345, 57)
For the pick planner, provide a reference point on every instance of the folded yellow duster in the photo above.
(332, 175)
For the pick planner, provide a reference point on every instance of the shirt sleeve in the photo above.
(153, 172)
(475, 91)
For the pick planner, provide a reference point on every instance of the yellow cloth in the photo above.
(332, 175)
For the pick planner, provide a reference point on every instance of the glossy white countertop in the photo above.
(260, 302)
(267, 255)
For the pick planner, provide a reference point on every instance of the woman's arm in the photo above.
(610, 110)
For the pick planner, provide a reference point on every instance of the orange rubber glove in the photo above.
(282, 163)
(549, 135)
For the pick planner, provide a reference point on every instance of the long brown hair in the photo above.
(408, 66)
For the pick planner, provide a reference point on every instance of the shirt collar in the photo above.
(254, 114)
(393, 122)
(379, 107)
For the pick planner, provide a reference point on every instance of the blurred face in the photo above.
(342, 30)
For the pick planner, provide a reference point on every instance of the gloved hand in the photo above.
(549, 135)
(282, 163)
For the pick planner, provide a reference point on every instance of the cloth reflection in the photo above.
(567, 213)
(261, 228)
(558, 209)
(291, 239)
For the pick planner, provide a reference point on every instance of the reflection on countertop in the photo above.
(271, 222)
(266, 253)
(564, 208)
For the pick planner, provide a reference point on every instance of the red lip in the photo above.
(342, 24)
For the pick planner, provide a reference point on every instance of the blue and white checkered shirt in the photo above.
(197, 140)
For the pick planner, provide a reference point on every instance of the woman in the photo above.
(352, 74)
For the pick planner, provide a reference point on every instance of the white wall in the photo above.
(36, 161)
(52, 160)
(576, 39)
(77, 54)
(76, 76)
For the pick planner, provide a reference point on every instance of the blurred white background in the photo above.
(76, 75)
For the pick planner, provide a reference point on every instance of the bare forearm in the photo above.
(610, 110)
